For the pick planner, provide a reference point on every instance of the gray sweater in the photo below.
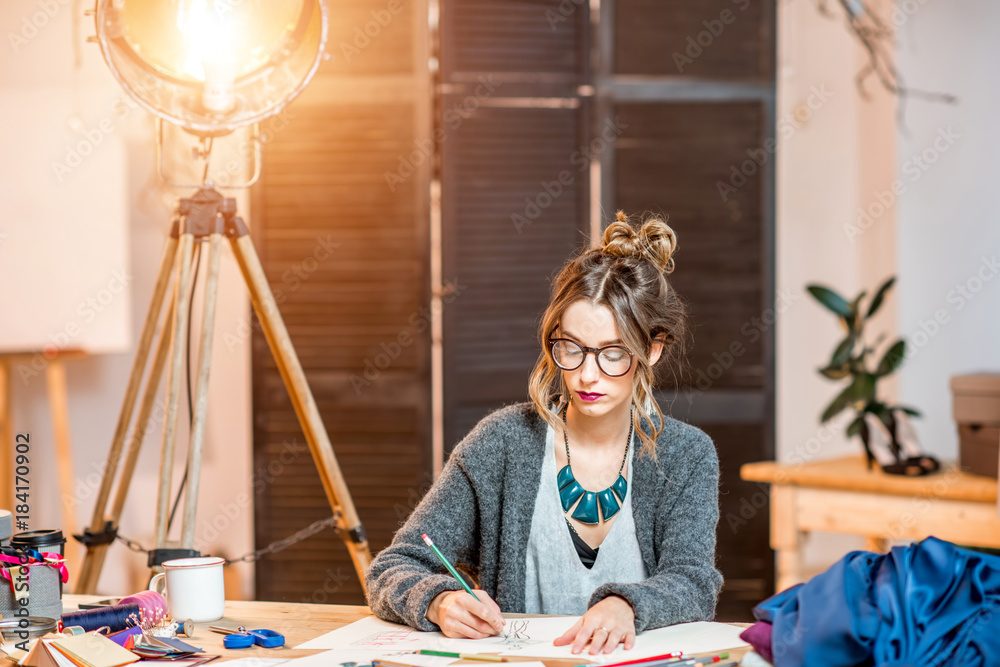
(479, 513)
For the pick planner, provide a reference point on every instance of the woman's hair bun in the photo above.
(654, 241)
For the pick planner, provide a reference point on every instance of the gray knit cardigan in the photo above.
(479, 513)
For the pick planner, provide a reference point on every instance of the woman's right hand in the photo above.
(458, 614)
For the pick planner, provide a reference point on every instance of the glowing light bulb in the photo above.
(209, 52)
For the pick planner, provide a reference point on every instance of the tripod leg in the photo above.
(87, 580)
(302, 398)
(201, 391)
(182, 289)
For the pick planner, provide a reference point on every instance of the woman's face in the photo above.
(592, 391)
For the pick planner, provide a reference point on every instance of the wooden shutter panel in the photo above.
(693, 148)
(355, 319)
(707, 39)
(508, 223)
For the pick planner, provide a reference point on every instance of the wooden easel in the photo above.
(207, 216)
(55, 377)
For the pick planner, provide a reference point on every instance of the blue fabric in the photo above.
(930, 604)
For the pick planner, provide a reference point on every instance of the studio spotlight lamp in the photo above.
(212, 66)
(208, 67)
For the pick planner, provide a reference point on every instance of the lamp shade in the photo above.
(211, 66)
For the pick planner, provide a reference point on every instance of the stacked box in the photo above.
(976, 406)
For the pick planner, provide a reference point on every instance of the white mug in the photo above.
(194, 588)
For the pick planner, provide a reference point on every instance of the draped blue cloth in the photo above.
(929, 604)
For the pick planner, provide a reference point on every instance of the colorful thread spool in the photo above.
(152, 606)
(115, 618)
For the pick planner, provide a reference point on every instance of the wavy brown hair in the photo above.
(627, 273)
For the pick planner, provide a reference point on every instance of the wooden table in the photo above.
(843, 496)
(298, 623)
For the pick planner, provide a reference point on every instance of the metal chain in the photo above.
(273, 547)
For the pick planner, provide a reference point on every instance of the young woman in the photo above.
(587, 500)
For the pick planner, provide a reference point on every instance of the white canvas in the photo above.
(64, 274)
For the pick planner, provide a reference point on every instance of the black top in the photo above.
(586, 553)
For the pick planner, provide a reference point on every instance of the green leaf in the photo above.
(843, 351)
(836, 372)
(855, 322)
(838, 404)
(913, 412)
(892, 359)
(864, 388)
(857, 301)
(879, 409)
(854, 428)
(833, 301)
(880, 296)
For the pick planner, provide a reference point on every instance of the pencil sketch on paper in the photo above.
(517, 635)
(389, 639)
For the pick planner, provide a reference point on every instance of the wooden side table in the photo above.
(843, 496)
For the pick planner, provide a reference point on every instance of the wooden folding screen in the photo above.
(692, 84)
(340, 218)
(522, 99)
(515, 187)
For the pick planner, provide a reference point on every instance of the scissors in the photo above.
(243, 638)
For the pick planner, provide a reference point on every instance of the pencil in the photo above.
(448, 565)
(389, 663)
(639, 662)
(488, 657)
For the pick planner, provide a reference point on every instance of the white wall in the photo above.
(949, 225)
(939, 236)
(829, 161)
(45, 41)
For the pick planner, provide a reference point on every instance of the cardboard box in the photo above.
(976, 407)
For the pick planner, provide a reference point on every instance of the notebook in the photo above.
(91, 650)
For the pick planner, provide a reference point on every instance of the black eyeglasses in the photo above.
(613, 360)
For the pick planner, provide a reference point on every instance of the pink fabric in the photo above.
(758, 635)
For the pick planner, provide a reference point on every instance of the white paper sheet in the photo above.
(335, 657)
(524, 636)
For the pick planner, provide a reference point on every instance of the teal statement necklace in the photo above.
(570, 490)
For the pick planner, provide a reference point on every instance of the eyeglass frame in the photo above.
(597, 356)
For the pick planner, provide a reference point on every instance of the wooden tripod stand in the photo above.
(206, 216)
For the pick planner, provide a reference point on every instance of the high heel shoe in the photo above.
(880, 448)
(905, 437)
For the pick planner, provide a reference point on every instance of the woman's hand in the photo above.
(607, 624)
(458, 614)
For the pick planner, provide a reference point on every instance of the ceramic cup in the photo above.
(194, 588)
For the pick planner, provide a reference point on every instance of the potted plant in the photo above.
(884, 429)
